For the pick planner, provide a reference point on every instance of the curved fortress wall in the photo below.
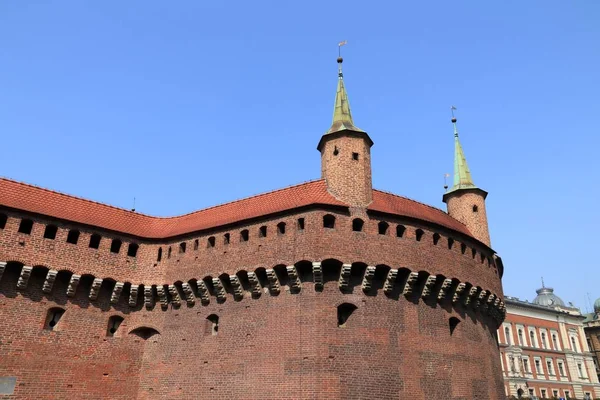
(307, 304)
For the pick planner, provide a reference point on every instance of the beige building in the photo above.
(544, 352)
(591, 326)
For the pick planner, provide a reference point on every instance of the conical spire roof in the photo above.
(462, 174)
(342, 116)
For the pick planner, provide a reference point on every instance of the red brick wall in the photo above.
(285, 346)
(460, 207)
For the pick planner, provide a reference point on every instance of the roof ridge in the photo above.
(154, 216)
(418, 202)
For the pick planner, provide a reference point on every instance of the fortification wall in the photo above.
(267, 317)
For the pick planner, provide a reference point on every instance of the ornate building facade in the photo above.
(328, 289)
(543, 350)
(592, 332)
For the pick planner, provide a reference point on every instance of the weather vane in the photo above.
(340, 44)
(452, 108)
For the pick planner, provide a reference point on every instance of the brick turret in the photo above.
(346, 153)
(465, 201)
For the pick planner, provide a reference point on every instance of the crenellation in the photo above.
(368, 279)
(24, 278)
(49, 281)
(116, 293)
(73, 283)
(95, 290)
(295, 284)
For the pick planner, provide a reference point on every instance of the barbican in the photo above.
(326, 289)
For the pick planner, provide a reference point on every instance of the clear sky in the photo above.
(188, 104)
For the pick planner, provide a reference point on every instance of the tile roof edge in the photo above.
(416, 201)
(36, 187)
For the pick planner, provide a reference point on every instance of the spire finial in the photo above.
(462, 175)
(543, 286)
(342, 117)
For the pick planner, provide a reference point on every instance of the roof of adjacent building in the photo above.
(546, 297)
(37, 200)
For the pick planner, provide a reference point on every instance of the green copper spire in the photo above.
(342, 117)
(462, 175)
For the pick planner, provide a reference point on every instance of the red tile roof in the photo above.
(46, 202)
(398, 205)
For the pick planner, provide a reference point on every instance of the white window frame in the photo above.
(557, 345)
(544, 339)
(561, 367)
(526, 365)
(539, 372)
(534, 343)
(543, 393)
(567, 394)
(550, 367)
(508, 340)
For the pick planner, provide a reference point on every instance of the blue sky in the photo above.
(188, 104)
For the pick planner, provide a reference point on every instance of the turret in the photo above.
(346, 153)
(465, 201)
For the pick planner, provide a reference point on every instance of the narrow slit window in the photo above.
(262, 231)
(26, 226)
(50, 232)
(355, 156)
(3, 219)
(169, 251)
(244, 235)
(300, 224)
(115, 246)
(196, 244)
(281, 228)
(53, 317)
(383, 227)
(436, 238)
(344, 311)
(357, 225)
(73, 236)
(329, 221)
(419, 234)
(226, 238)
(211, 242)
(453, 323)
(213, 324)
(450, 243)
(113, 325)
(463, 248)
(182, 247)
(475, 208)
(159, 256)
(95, 241)
(400, 229)
(132, 249)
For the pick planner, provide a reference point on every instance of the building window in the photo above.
(300, 224)
(555, 342)
(450, 243)
(357, 225)
(543, 393)
(196, 244)
(526, 365)
(538, 367)
(561, 369)
(383, 227)
(344, 311)
(244, 235)
(73, 236)
(532, 338)
(53, 317)
(226, 238)
(436, 238)
(419, 234)
(507, 335)
(213, 324)
(26, 226)
(543, 340)
(573, 344)
(115, 246)
(555, 393)
(531, 392)
(132, 249)
(453, 322)
(568, 395)
(182, 247)
(520, 333)
(113, 325)
(355, 156)
(50, 232)
(262, 231)
(169, 252)
(211, 242)
(328, 221)
(95, 241)
(549, 366)
(580, 370)
(159, 256)
(3, 219)
(281, 228)
(400, 229)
